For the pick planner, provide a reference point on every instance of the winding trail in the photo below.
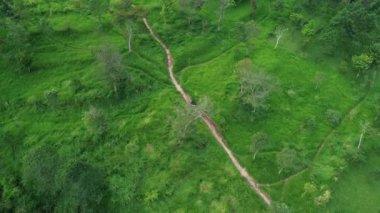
(208, 121)
(325, 140)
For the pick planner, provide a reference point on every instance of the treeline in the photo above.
(340, 27)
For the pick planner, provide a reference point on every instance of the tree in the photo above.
(361, 63)
(365, 126)
(255, 87)
(333, 117)
(279, 33)
(323, 199)
(223, 6)
(17, 47)
(288, 160)
(98, 7)
(40, 166)
(183, 123)
(167, 9)
(95, 121)
(126, 15)
(318, 79)
(191, 8)
(279, 207)
(112, 69)
(259, 141)
(83, 189)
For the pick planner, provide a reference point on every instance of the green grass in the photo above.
(168, 176)
(358, 182)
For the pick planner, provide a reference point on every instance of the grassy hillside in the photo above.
(55, 156)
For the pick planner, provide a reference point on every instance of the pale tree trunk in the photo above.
(279, 32)
(130, 39)
(277, 41)
(364, 130)
(221, 16)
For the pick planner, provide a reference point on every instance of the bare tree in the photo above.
(279, 33)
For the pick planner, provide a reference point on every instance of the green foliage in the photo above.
(112, 69)
(362, 62)
(255, 86)
(289, 160)
(259, 141)
(40, 166)
(84, 189)
(17, 47)
(167, 9)
(298, 20)
(279, 207)
(333, 117)
(95, 121)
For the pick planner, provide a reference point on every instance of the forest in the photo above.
(189, 106)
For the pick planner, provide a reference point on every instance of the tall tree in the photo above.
(289, 160)
(112, 69)
(255, 85)
(98, 8)
(167, 9)
(191, 8)
(279, 33)
(83, 189)
(126, 15)
(17, 46)
(223, 6)
(95, 121)
(39, 168)
(259, 141)
(183, 123)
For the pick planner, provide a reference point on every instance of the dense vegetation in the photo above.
(90, 122)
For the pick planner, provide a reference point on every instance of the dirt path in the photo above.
(208, 121)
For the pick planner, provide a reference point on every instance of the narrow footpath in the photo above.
(208, 121)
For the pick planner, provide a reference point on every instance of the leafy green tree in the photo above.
(98, 8)
(255, 85)
(95, 121)
(289, 160)
(125, 16)
(167, 9)
(333, 117)
(18, 47)
(183, 123)
(83, 189)
(40, 166)
(362, 63)
(223, 6)
(279, 207)
(112, 69)
(259, 141)
(191, 8)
